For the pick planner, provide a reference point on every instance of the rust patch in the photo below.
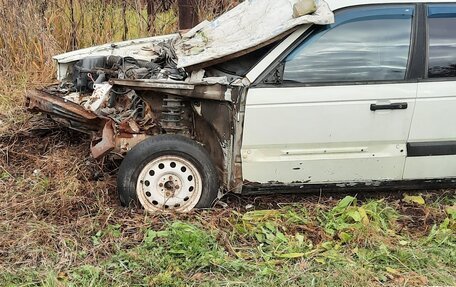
(237, 182)
(107, 142)
(124, 143)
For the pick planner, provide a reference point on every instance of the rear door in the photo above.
(432, 147)
(343, 107)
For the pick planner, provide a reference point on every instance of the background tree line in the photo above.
(32, 31)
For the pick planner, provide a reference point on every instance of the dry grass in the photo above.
(33, 31)
(55, 199)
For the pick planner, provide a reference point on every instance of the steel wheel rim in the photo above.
(169, 183)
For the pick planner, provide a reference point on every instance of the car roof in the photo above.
(338, 4)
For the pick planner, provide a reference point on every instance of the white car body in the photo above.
(265, 134)
(321, 134)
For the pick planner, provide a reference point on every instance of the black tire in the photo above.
(167, 145)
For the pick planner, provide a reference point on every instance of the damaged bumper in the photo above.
(72, 114)
(106, 137)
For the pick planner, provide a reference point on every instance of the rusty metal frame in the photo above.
(107, 142)
(77, 117)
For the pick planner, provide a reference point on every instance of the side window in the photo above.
(442, 41)
(365, 44)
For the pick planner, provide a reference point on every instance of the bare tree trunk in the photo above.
(124, 16)
(150, 16)
(138, 10)
(42, 11)
(103, 16)
(80, 22)
(74, 40)
(112, 18)
(188, 15)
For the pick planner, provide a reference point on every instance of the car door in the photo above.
(342, 108)
(432, 143)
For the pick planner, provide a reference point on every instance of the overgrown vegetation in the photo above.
(61, 223)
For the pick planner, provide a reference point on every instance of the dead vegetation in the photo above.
(34, 31)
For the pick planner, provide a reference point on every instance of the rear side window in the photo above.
(365, 44)
(442, 41)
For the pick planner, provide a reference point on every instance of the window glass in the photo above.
(365, 44)
(442, 41)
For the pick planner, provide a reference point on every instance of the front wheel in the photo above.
(168, 172)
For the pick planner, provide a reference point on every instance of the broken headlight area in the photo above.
(116, 121)
(122, 100)
(87, 99)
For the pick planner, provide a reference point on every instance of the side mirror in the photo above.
(275, 77)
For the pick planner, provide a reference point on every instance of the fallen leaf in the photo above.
(345, 237)
(403, 242)
(292, 255)
(354, 214)
(451, 210)
(364, 218)
(197, 276)
(418, 199)
(392, 271)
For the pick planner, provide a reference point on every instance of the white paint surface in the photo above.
(435, 112)
(434, 120)
(326, 134)
(430, 167)
(338, 4)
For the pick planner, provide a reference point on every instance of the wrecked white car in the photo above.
(271, 96)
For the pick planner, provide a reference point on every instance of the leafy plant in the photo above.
(349, 222)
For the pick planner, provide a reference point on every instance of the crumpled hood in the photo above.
(248, 26)
(245, 28)
(137, 48)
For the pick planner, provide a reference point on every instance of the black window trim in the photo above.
(425, 78)
(419, 51)
(416, 39)
(274, 65)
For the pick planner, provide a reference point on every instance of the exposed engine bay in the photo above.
(122, 100)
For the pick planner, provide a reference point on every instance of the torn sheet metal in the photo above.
(73, 114)
(248, 25)
(114, 140)
(107, 142)
(138, 48)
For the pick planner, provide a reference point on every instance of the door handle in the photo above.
(393, 106)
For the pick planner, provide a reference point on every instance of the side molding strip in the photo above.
(431, 148)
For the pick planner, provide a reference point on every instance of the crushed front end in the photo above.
(123, 95)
